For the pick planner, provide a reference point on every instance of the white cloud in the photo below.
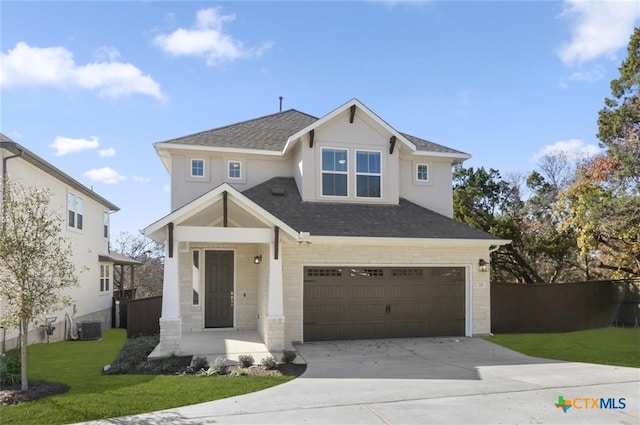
(574, 149)
(598, 28)
(139, 179)
(107, 153)
(589, 76)
(207, 39)
(104, 175)
(108, 53)
(67, 145)
(54, 66)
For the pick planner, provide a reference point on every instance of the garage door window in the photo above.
(324, 272)
(367, 272)
(407, 272)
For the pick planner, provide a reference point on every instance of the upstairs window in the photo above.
(335, 170)
(105, 277)
(105, 224)
(74, 207)
(368, 174)
(235, 170)
(197, 167)
(422, 172)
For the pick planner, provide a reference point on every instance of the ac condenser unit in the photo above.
(89, 330)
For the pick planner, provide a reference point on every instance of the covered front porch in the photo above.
(223, 285)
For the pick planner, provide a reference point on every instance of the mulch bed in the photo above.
(11, 394)
(282, 370)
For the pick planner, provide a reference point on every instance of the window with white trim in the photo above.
(197, 167)
(422, 172)
(368, 174)
(235, 170)
(105, 277)
(75, 214)
(105, 224)
(335, 171)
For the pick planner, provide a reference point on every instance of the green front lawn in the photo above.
(610, 346)
(94, 396)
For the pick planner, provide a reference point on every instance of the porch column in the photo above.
(170, 322)
(274, 335)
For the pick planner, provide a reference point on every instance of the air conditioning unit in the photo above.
(89, 330)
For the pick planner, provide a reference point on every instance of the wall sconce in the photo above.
(483, 266)
(257, 259)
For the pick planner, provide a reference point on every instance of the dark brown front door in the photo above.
(218, 308)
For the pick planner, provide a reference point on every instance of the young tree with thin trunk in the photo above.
(35, 260)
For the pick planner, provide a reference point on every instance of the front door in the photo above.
(218, 310)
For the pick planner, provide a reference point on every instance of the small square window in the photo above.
(422, 172)
(197, 168)
(235, 169)
(74, 211)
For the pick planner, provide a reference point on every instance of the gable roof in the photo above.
(404, 220)
(25, 154)
(276, 132)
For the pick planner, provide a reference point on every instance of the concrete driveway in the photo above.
(424, 380)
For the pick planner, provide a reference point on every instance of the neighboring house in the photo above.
(317, 229)
(86, 227)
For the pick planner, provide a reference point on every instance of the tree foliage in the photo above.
(148, 275)
(35, 260)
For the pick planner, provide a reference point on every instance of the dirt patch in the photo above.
(37, 389)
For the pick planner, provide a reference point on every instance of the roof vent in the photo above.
(277, 191)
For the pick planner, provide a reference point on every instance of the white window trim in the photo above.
(415, 173)
(367, 174)
(204, 168)
(322, 171)
(109, 277)
(200, 277)
(106, 215)
(240, 166)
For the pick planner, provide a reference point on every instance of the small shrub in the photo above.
(269, 363)
(240, 371)
(288, 356)
(199, 363)
(10, 365)
(217, 367)
(245, 360)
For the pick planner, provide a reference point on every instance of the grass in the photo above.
(96, 396)
(609, 346)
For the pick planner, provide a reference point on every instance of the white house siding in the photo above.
(255, 170)
(296, 257)
(86, 245)
(434, 194)
(245, 285)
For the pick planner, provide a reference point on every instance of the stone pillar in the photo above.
(274, 326)
(171, 321)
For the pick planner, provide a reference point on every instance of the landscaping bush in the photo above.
(10, 367)
(288, 356)
(240, 371)
(269, 363)
(199, 363)
(217, 367)
(245, 360)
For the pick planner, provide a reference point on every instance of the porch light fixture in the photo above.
(483, 266)
(257, 259)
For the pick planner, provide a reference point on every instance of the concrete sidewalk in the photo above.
(424, 380)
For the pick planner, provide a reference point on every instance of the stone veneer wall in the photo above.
(295, 257)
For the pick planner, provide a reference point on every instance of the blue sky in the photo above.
(90, 86)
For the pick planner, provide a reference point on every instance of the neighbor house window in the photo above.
(195, 279)
(105, 224)
(197, 168)
(74, 207)
(334, 172)
(235, 169)
(422, 172)
(105, 277)
(368, 174)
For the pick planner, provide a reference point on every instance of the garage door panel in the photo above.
(378, 302)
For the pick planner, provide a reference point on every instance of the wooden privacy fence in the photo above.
(143, 316)
(564, 307)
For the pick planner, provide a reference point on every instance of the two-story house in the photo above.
(310, 229)
(86, 228)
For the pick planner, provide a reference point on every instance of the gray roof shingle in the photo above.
(405, 220)
(271, 133)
